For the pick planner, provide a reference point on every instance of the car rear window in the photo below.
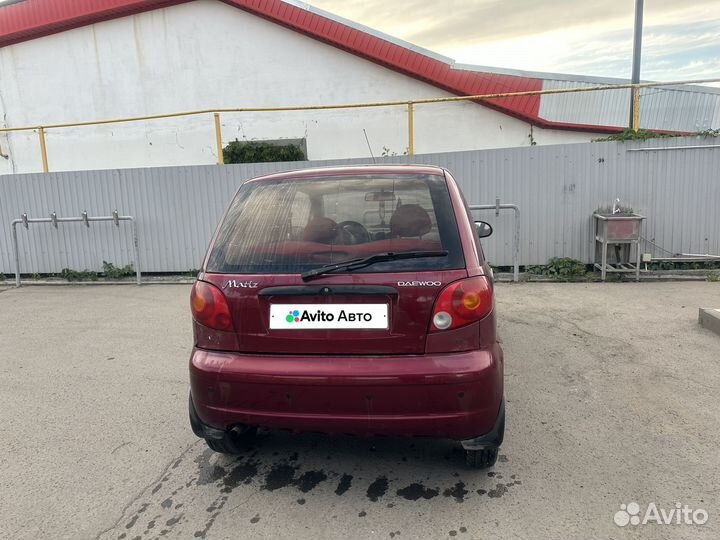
(291, 226)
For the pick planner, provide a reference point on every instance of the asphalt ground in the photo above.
(611, 399)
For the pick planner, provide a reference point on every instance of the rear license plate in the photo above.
(328, 316)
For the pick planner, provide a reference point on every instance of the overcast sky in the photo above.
(681, 38)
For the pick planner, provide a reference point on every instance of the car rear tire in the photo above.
(236, 441)
(481, 459)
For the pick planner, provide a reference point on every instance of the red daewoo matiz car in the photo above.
(348, 300)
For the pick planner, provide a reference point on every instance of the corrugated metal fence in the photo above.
(556, 187)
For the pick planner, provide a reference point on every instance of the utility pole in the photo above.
(637, 49)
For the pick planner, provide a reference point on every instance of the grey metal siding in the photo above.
(556, 187)
(667, 108)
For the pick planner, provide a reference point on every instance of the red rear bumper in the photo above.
(456, 395)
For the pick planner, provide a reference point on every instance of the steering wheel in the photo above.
(352, 232)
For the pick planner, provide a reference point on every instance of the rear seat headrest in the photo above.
(410, 220)
(320, 229)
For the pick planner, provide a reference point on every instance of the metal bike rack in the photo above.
(84, 218)
(516, 236)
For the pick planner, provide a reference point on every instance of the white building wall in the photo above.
(206, 54)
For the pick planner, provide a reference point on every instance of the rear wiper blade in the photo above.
(362, 262)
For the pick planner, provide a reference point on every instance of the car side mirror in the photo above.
(483, 229)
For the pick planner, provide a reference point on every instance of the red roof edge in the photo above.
(32, 19)
(401, 59)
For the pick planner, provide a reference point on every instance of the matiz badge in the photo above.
(235, 284)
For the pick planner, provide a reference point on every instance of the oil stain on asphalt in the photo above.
(257, 472)
(344, 484)
(416, 491)
(377, 489)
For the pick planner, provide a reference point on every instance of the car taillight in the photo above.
(461, 303)
(209, 306)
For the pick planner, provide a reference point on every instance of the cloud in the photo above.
(670, 52)
(593, 38)
(453, 22)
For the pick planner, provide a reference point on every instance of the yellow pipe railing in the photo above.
(410, 104)
(411, 128)
(218, 139)
(635, 109)
(43, 149)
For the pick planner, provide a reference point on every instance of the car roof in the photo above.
(352, 171)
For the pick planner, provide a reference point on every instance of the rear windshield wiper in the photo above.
(362, 262)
